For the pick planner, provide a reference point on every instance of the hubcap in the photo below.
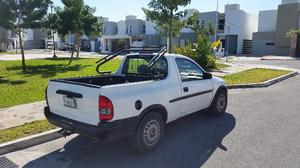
(151, 132)
(221, 103)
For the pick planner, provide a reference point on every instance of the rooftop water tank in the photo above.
(130, 17)
(232, 7)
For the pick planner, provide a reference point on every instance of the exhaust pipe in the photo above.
(65, 132)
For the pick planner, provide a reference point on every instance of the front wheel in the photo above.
(219, 104)
(149, 133)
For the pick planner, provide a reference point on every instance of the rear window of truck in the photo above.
(139, 66)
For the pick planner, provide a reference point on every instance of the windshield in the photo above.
(138, 65)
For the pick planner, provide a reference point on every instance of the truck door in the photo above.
(196, 92)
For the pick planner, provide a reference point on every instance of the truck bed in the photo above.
(105, 80)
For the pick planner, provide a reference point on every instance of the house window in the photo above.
(130, 29)
(221, 24)
(126, 29)
(203, 21)
(144, 29)
(270, 44)
(104, 30)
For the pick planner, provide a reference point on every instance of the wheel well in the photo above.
(155, 108)
(222, 88)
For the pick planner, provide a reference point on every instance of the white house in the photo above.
(239, 27)
(130, 32)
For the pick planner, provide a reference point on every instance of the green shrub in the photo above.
(200, 52)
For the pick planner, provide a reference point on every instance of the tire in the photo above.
(149, 133)
(219, 104)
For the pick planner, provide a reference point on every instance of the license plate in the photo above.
(69, 102)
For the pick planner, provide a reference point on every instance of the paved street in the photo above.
(282, 63)
(260, 129)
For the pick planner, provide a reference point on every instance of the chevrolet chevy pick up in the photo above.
(150, 89)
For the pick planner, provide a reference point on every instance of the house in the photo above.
(8, 40)
(131, 32)
(36, 38)
(114, 36)
(4, 36)
(234, 29)
(205, 18)
(271, 37)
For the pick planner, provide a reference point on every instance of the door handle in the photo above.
(186, 89)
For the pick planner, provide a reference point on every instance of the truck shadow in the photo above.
(188, 142)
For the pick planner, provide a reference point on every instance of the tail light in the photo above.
(106, 109)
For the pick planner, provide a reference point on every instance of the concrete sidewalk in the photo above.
(239, 67)
(21, 114)
(272, 57)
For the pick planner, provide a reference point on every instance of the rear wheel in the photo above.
(149, 133)
(219, 104)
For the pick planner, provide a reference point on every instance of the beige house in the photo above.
(271, 38)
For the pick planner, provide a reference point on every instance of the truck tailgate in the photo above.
(73, 101)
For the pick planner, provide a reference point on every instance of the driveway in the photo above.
(260, 129)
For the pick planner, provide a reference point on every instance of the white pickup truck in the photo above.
(148, 91)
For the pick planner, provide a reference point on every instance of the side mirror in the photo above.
(207, 75)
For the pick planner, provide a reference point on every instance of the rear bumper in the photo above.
(105, 131)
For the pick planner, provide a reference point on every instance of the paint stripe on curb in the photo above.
(264, 84)
(29, 141)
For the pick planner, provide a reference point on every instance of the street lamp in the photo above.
(52, 31)
(228, 26)
(217, 20)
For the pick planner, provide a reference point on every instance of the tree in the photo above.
(201, 52)
(51, 22)
(293, 32)
(78, 19)
(20, 15)
(166, 16)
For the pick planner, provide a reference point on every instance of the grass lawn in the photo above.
(256, 75)
(17, 87)
(32, 128)
(221, 66)
(4, 53)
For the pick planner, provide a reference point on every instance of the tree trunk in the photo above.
(22, 50)
(78, 43)
(170, 38)
(54, 54)
(16, 46)
(72, 55)
(77, 36)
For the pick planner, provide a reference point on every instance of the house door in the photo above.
(298, 47)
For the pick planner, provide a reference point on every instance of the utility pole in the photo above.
(217, 21)
(52, 31)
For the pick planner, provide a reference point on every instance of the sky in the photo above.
(116, 10)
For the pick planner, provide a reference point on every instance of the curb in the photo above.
(264, 84)
(29, 141)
